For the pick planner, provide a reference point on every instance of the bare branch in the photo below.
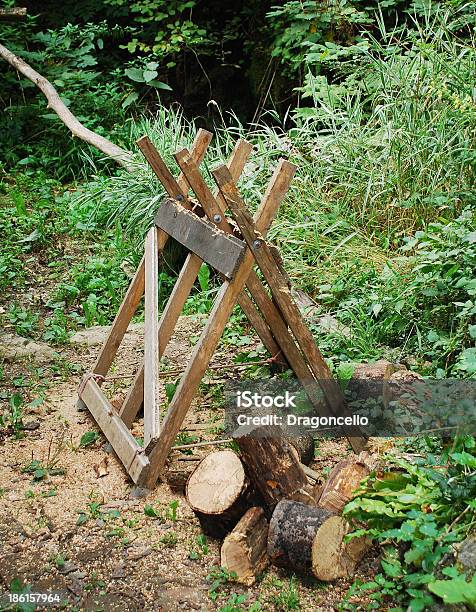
(13, 13)
(120, 155)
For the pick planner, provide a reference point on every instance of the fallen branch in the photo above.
(13, 13)
(121, 156)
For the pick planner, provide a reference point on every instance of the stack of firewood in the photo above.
(269, 507)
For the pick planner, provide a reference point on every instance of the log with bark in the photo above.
(344, 479)
(370, 380)
(244, 549)
(305, 539)
(120, 155)
(177, 476)
(272, 464)
(219, 492)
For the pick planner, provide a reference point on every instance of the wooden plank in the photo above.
(205, 347)
(201, 189)
(151, 340)
(281, 293)
(222, 251)
(136, 288)
(121, 322)
(175, 188)
(134, 398)
(125, 446)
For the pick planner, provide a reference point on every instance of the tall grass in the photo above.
(379, 155)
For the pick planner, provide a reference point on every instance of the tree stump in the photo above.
(371, 379)
(344, 479)
(219, 492)
(244, 549)
(272, 464)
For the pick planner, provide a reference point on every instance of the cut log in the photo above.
(291, 534)
(332, 557)
(244, 549)
(177, 476)
(371, 379)
(344, 479)
(219, 492)
(308, 539)
(272, 464)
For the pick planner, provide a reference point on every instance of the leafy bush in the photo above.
(417, 510)
(425, 303)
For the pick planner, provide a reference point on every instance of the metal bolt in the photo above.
(256, 244)
(217, 218)
(179, 198)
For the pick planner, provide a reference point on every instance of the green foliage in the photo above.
(164, 29)
(88, 438)
(68, 58)
(417, 511)
(218, 577)
(424, 302)
(288, 598)
(457, 590)
(200, 550)
(169, 540)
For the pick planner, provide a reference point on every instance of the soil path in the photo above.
(70, 526)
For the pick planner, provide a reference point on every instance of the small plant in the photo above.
(169, 539)
(202, 545)
(15, 404)
(171, 512)
(37, 470)
(92, 512)
(24, 322)
(59, 561)
(151, 512)
(88, 438)
(288, 598)
(94, 583)
(235, 603)
(218, 577)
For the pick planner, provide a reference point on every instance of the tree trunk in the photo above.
(272, 464)
(177, 476)
(244, 549)
(333, 558)
(291, 534)
(121, 156)
(219, 492)
(344, 479)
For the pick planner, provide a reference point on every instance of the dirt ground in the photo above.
(70, 524)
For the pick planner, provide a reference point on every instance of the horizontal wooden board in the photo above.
(117, 433)
(222, 251)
